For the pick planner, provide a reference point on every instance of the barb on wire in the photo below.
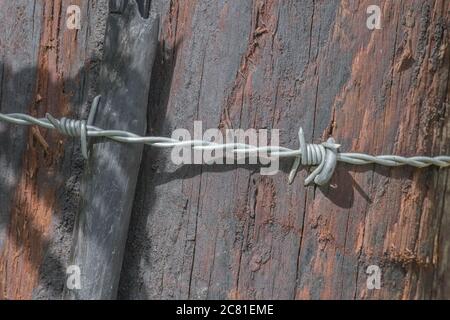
(323, 156)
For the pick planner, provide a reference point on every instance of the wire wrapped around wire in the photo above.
(323, 156)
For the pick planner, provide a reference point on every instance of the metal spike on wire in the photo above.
(323, 156)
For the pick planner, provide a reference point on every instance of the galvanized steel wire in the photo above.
(324, 156)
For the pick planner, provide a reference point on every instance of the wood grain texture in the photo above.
(43, 66)
(227, 232)
(32, 207)
(110, 178)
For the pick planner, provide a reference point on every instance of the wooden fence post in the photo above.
(110, 178)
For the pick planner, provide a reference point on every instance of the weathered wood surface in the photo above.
(109, 182)
(215, 232)
(227, 232)
(44, 69)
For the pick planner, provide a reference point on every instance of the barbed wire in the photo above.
(324, 155)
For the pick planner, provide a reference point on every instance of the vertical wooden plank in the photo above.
(111, 173)
(17, 77)
(78, 53)
(44, 70)
(207, 232)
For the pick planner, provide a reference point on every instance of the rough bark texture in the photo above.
(227, 232)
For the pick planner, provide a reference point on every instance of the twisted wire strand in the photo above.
(324, 156)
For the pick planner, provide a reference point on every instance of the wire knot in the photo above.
(323, 155)
(76, 128)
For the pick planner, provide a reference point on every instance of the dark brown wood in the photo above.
(109, 182)
(213, 232)
(227, 232)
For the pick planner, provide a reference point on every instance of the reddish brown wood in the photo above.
(227, 232)
(40, 199)
(208, 232)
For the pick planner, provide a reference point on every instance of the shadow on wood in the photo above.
(111, 174)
